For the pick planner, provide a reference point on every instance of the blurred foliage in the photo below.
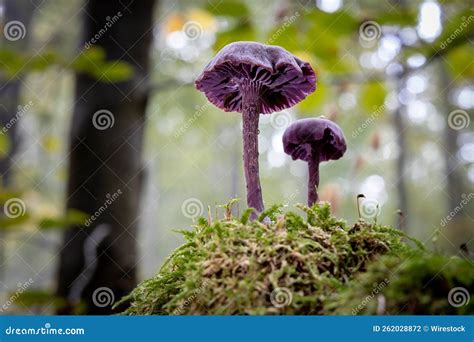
(419, 285)
(90, 61)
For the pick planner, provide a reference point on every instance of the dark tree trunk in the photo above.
(105, 164)
(9, 99)
(10, 85)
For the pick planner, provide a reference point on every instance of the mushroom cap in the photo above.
(281, 78)
(320, 135)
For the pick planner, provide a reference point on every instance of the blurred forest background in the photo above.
(101, 124)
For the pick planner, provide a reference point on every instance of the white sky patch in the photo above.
(429, 21)
(374, 187)
(298, 169)
(176, 40)
(347, 101)
(276, 159)
(389, 48)
(467, 153)
(277, 143)
(416, 60)
(464, 97)
(408, 36)
(329, 6)
(417, 111)
(416, 84)
(262, 143)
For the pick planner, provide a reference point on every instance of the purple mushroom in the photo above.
(253, 78)
(314, 141)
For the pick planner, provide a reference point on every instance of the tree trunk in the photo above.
(9, 99)
(10, 85)
(454, 176)
(98, 261)
(400, 182)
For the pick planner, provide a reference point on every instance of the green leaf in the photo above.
(459, 63)
(10, 222)
(32, 298)
(244, 31)
(11, 62)
(315, 101)
(92, 62)
(372, 96)
(5, 144)
(72, 217)
(42, 61)
(115, 71)
(230, 8)
(328, 25)
(402, 18)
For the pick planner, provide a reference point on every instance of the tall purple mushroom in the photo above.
(253, 78)
(314, 141)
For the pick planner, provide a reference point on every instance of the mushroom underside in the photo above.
(278, 89)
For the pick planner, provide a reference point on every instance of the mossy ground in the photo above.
(283, 263)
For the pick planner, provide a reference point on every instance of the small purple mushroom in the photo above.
(253, 78)
(314, 141)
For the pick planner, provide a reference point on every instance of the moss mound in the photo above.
(418, 285)
(279, 264)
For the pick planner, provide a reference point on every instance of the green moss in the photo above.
(281, 263)
(420, 284)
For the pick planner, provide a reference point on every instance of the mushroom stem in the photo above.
(313, 179)
(250, 117)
